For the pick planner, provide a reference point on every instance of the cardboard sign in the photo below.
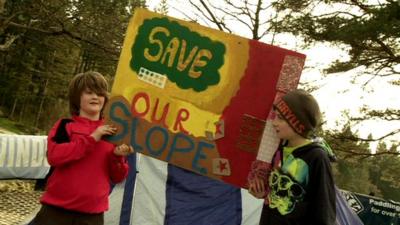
(197, 97)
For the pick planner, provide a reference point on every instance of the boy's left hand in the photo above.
(123, 150)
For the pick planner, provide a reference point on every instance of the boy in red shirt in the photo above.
(84, 164)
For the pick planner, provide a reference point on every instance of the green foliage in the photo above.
(360, 171)
(349, 173)
(371, 31)
(384, 169)
(55, 40)
(7, 125)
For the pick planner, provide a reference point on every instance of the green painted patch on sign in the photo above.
(187, 58)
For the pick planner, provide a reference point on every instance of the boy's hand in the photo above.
(123, 150)
(103, 130)
(257, 188)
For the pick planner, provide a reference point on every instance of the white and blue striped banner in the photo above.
(168, 195)
(154, 193)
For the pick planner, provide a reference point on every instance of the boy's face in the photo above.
(91, 104)
(282, 128)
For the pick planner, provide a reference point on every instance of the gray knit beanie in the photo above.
(301, 112)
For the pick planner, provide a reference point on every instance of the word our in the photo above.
(155, 139)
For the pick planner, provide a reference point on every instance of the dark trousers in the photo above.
(51, 215)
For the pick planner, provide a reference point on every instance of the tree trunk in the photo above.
(79, 66)
(13, 108)
(21, 112)
(41, 104)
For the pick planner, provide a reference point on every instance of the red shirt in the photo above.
(83, 169)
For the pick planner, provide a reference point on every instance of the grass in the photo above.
(14, 127)
(19, 128)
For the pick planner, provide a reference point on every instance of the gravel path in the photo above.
(18, 201)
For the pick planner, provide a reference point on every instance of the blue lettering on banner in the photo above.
(120, 121)
(152, 151)
(199, 155)
(174, 147)
(186, 143)
(135, 145)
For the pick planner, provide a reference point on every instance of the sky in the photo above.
(338, 92)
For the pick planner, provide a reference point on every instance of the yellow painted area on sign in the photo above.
(204, 107)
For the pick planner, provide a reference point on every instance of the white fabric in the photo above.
(113, 214)
(149, 202)
(23, 156)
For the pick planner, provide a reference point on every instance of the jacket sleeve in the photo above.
(118, 167)
(323, 199)
(59, 154)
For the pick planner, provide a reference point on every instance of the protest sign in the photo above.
(197, 97)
